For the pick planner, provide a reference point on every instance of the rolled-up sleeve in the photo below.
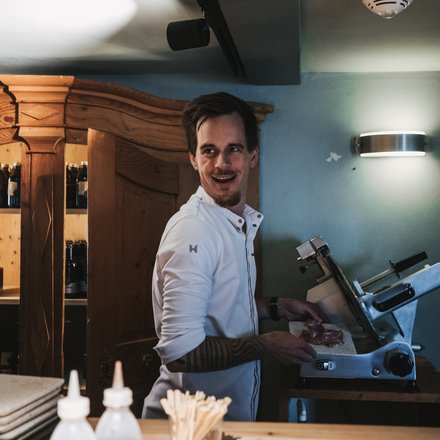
(184, 272)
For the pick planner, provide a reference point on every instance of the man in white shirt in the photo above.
(206, 314)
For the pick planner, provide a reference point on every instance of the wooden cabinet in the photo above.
(139, 175)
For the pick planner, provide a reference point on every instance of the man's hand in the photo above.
(286, 348)
(296, 310)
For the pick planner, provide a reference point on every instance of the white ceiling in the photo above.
(334, 36)
(344, 36)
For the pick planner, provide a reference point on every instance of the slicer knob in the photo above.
(400, 363)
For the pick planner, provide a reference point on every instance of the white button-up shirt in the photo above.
(204, 285)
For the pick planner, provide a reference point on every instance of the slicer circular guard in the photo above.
(350, 297)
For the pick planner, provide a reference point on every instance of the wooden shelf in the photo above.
(10, 211)
(76, 211)
(10, 295)
(18, 211)
(75, 301)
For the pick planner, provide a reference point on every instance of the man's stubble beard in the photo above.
(228, 201)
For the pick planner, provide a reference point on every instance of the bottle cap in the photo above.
(74, 406)
(118, 396)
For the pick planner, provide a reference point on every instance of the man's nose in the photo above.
(222, 160)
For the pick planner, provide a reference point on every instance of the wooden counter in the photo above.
(159, 430)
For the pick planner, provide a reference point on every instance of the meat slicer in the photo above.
(380, 324)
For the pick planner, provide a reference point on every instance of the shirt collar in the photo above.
(252, 217)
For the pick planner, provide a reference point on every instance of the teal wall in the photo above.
(369, 211)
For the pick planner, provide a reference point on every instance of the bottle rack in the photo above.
(75, 227)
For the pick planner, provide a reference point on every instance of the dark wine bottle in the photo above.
(14, 186)
(82, 186)
(4, 175)
(82, 259)
(71, 277)
(71, 172)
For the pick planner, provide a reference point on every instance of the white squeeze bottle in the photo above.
(73, 410)
(118, 422)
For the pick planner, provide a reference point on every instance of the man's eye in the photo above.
(208, 151)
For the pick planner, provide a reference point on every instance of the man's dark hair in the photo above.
(200, 109)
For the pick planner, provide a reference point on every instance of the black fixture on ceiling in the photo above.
(191, 34)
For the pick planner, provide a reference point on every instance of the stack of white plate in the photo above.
(28, 406)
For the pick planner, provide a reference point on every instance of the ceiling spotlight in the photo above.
(189, 34)
(387, 8)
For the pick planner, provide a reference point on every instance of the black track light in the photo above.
(189, 34)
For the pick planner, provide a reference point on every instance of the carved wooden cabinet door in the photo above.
(132, 195)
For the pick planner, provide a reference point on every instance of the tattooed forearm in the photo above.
(215, 354)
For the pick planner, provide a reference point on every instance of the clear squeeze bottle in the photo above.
(73, 411)
(118, 422)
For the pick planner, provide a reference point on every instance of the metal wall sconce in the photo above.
(392, 144)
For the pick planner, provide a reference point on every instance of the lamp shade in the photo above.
(387, 8)
(392, 144)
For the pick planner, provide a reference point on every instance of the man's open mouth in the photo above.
(224, 179)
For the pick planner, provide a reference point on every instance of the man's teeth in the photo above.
(224, 179)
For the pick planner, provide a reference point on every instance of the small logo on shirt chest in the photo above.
(193, 248)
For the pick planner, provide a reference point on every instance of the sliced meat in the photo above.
(316, 334)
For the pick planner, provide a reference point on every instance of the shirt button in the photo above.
(254, 225)
(240, 220)
(259, 215)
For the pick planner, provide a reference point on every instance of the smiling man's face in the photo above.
(223, 160)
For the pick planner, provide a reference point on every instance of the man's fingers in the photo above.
(310, 350)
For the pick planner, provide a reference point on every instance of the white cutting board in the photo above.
(346, 349)
(22, 411)
(18, 392)
(32, 426)
(31, 414)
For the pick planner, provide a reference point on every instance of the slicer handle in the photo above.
(409, 262)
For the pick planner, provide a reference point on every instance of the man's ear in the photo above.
(193, 161)
(255, 154)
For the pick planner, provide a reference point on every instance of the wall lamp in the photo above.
(189, 34)
(392, 144)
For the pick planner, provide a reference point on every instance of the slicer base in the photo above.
(411, 387)
(302, 384)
